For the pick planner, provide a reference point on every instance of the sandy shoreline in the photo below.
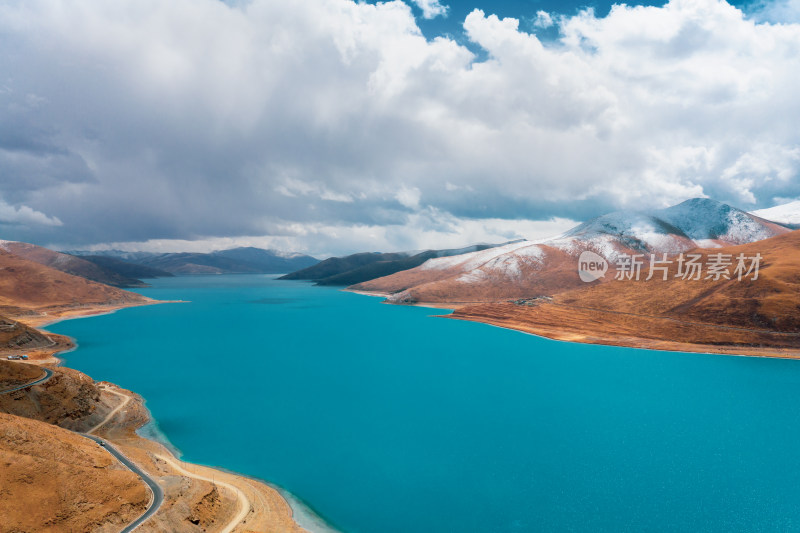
(302, 513)
(570, 335)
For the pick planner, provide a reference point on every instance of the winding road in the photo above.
(158, 492)
(47, 375)
(244, 503)
(155, 489)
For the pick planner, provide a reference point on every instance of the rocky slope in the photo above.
(16, 335)
(70, 399)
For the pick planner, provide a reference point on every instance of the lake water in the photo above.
(385, 419)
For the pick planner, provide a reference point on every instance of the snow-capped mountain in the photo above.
(527, 269)
(695, 223)
(784, 214)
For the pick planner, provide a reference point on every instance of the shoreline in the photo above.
(302, 513)
(566, 334)
(638, 343)
(153, 437)
(385, 295)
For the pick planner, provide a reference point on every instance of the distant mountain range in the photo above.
(234, 261)
(528, 269)
(126, 268)
(357, 268)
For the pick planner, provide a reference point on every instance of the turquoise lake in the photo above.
(385, 419)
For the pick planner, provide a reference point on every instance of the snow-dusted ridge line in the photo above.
(696, 223)
(472, 260)
(783, 214)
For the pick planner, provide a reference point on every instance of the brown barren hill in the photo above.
(69, 399)
(13, 374)
(55, 480)
(69, 264)
(518, 270)
(758, 317)
(28, 288)
(16, 335)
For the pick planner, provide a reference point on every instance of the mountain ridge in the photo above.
(241, 260)
(546, 267)
(359, 267)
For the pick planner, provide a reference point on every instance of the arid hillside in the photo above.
(16, 335)
(745, 316)
(69, 399)
(70, 264)
(16, 373)
(54, 480)
(516, 270)
(28, 288)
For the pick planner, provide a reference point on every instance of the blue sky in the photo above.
(523, 10)
(330, 126)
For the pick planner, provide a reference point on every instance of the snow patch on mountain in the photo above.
(636, 231)
(783, 214)
(474, 276)
(471, 260)
(603, 244)
(511, 264)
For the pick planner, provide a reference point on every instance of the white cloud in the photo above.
(428, 229)
(24, 215)
(409, 197)
(431, 8)
(192, 119)
(543, 20)
(293, 188)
